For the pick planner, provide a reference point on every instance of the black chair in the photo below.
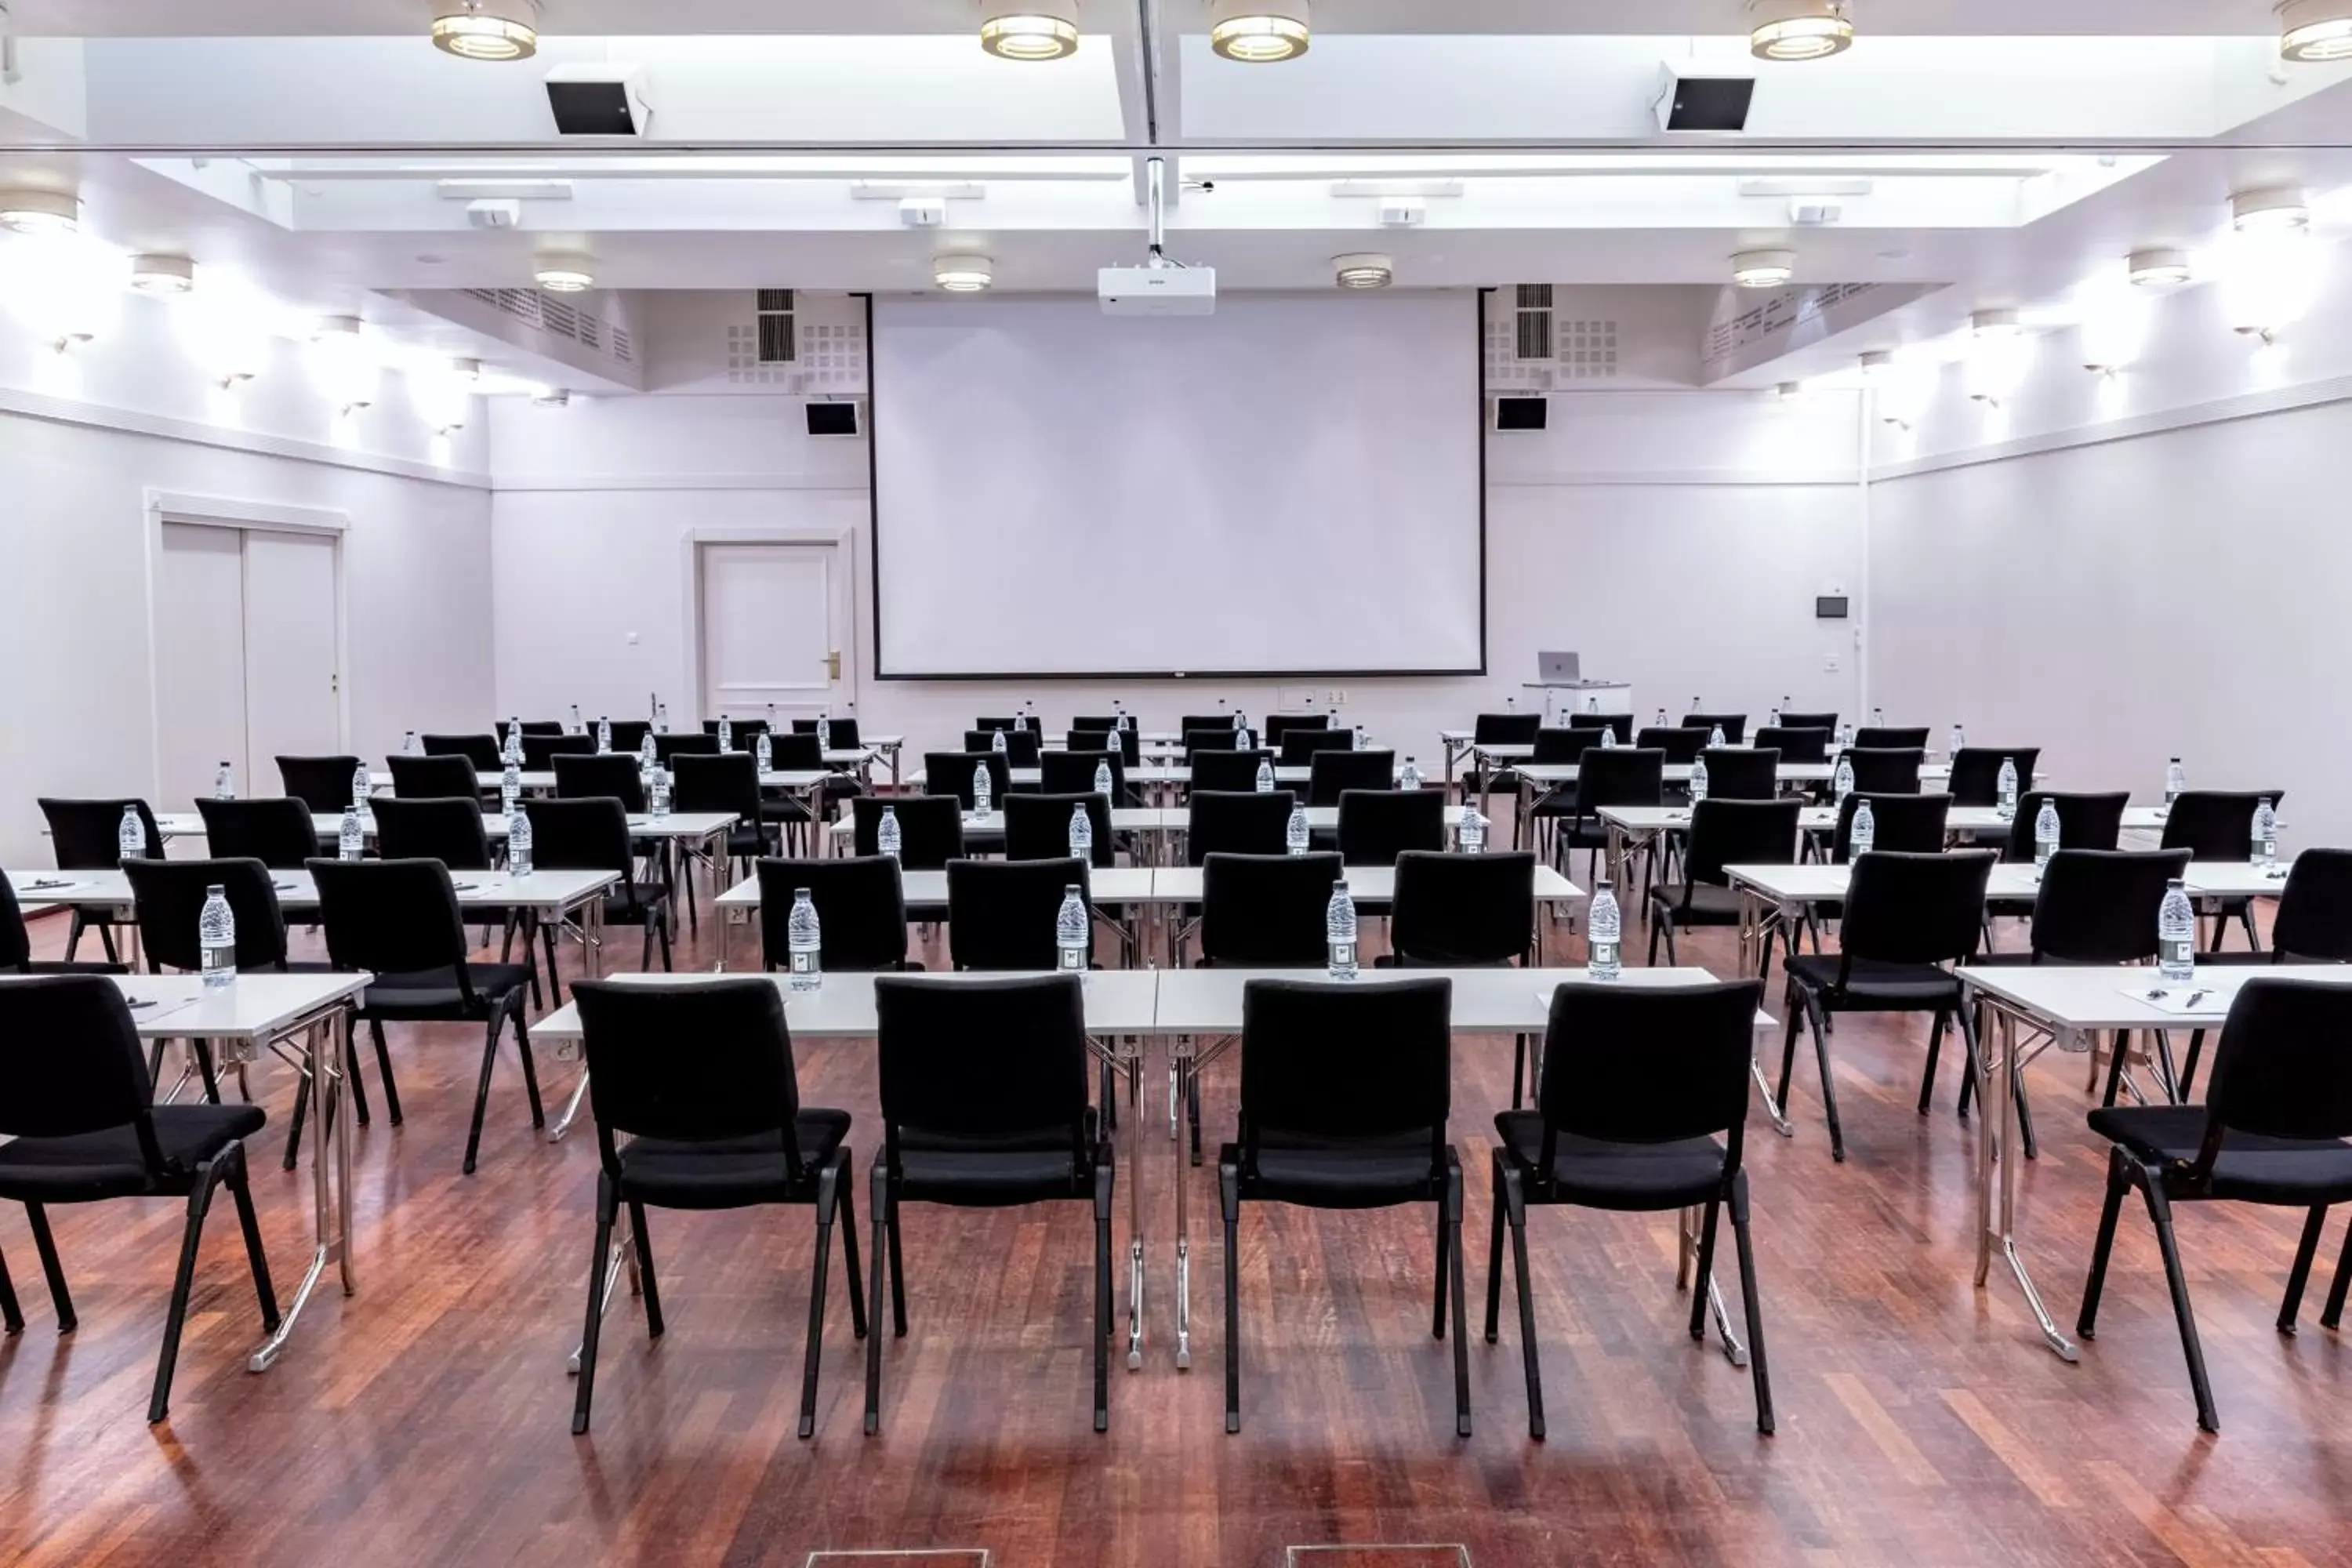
(1681, 746)
(1280, 725)
(1037, 827)
(1331, 774)
(1000, 913)
(2217, 824)
(1620, 725)
(323, 785)
(1642, 1108)
(436, 777)
(399, 919)
(931, 828)
(1192, 724)
(861, 912)
(1976, 772)
(1345, 1094)
(629, 734)
(1564, 747)
(1224, 739)
(1096, 723)
(2312, 924)
(482, 751)
(843, 733)
(277, 833)
(729, 783)
(1021, 746)
(1733, 725)
(1909, 824)
(720, 1126)
(543, 727)
(1907, 916)
(1492, 729)
(1796, 744)
(1267, 911)
(1125, 743)
(950, 772)
(1722, 833)
(668, 749)
(1014, 721)
(84, 1128)
(1742, 773)
(1826, 722)
(1236, 821)
(592, 835)
(1376, 825)
(539, 750)
(1886, 738)
(2272, 1131)
(17, 944)
(1887, 770)
(791, 814)
(1072, 773)
(452, 832)
(82, 836)
(603, 775)
(1231, 772)
(1616, 775)
(1454, 911)
(1298, 748)
(2085, 822)
(984, 1106)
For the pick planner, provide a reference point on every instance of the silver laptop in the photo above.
(1559, 669)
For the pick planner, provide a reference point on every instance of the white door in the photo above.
(776, 629)
(199, 662)
(292, 704)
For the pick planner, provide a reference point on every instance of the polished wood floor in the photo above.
(427, 1419)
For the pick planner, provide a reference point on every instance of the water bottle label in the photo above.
(1343, 958)
(1073, 959)
(805, 961)
(1603, 961)
(2175, 957)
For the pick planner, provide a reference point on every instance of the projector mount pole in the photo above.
(1156, 170)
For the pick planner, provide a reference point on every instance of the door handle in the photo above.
(833, 665)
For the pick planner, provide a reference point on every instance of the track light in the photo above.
(1763, 269)
(564, 272)
(1364, 269)
(1029, 29)
(2158, 269)
(487, 29)
(1798, 29)
(2314, 29)
(1258, 32)
(162, 274)
(2270, 211)
(35, 211)
(961, 272)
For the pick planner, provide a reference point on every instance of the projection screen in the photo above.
(1292, 486)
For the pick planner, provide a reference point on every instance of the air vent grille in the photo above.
(1780, 311)
(779, 341)
(559, 318)
(1533, 336)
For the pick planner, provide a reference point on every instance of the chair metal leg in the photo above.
(1495, 1254)
(1515, 1211)
(530, 1068)
(665, 935)
(1229, 1178)
(607, 1213)
(1519, 1069)
(1104, 1172)
(46, 1245)
(240, 1192)
(1791, 1006)
(1461, 1309)
(2159, 1209)
(302, 1113)
(384, 1073)
(2188, 1068)
(2300, 1275)
(1828, 1089)
(2118, 1182)
(1706, 1275)
(482, 1090)
(1666, 923)
(651, 1292)
(554, 981)
(159, 1404)
(1437, 1307)
(828, 1184)
(881, 1210)
(351, 1079)
(2119, 1054)
(12, 1316)
(897, 1276)
(1934, 1051)
(203, 1051)
(1753, 1305)
(2333, 1313)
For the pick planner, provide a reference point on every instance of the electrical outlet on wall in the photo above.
(1338, 697)
(1830, 664)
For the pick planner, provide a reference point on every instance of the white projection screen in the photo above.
(1292, 486)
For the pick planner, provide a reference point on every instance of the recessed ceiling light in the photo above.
(1258, 32)
(1798, 29)
(963, 272)
(1877, 362)
(1364, 269)
(1995, 323)
(564, 272)
(2158, 269)
(40, 211)
(162, 274)
(2314, 29)
(487, 29)
(1788, 392)
(2270, 211)
(1763, 269)
(1029, 29)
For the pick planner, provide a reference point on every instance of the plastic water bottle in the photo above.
(509, 787)
(2176, 936)
(1609, 737)
(1698, 780)
(1960, 738)
(2004, 804)
(1602, 932)
(604, 734)
(1694, 707)
(661, 715)
(1661, 722)
(1592, 703)
(1082, 834)
(1361, 742)
(1294, 835)
(726, 733)
(887, 838)
(363, 788)
(351, 838)
(577, 726)
(803, 938)
(2175, 781)
(1340, 931)
(1714, 735)
(1411, 777)
(996, 741)
(983, 789)
(409, 746)
(657, 794)
(2045, 833)
(771, 719)
(1777, 711)
(824, 731)
(1878, 718)
(763, 752)
(1845, 736)
(1264, 775)
(647, 758)
(1104, 786)
(1842, 780)
(2265, 835)
(224, 783)
(1070, 933)
(519, 841)
(1241, 719)
(514, 737)
(1863, 833)
(129, 835)
(1470, 833)
(216, 934)
(1242, 739)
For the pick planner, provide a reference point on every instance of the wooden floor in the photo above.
(427, 1419)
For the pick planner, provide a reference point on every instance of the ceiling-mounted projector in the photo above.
(1160, 287)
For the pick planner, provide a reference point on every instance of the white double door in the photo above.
(775, 628)
(246, 656)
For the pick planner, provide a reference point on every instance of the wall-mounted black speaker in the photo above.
(1522, 413)
(1707, 102)
(832, 418)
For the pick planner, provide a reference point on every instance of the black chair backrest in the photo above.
(1733, 725)
(1742, 773)
(1280, 726)
(1325, 1061)
(482, 751)
(930, 828)
(1899, 823)
(1976, 772)
(600, 775)
(950, 772)
(1331, 774)
(16, 942)
(82, 832)
(1236, 821)
(2085, 821)
(71, 1058)
(1796, 744)
(2216, 824)
(1463, 909)
(1073, 772)
(1000, 913)
(1021, 746)
(1200, 723)
(1298, 748)
(861, 911)
(450, 831)
(320, 783)
(589, 833)
(991, 1062)
(1505, 729)
(735, 1085)
(1014, 721)
(1230, 771)
(392, 917)
(1219, 739)
(843, 733)
(277, 833)
(2283, 1066)
(539, 752)
(1826, 722)
(1091, 744)
(793, 753)
(1647, 1065)
(1679, 744)
(2315, 909)
(1621, 775)
(1376, 825)
(1887, 770)
(2099, 906)
(1739, 833)
(543, 727)
(1037, 827)
(170, 896)
(1619, 724)
(1891, 738)
(435, 778)
(727, 782)
(1566, 747)
(1094, 725)
(629, 734)
(1915, 908)
(1266, 910)
(668, 748)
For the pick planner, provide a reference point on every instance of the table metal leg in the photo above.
(1753, 925)
(2000, 1149)
(1733, 1350)
(1134, 1062)
(331, 1177)
(1180, 1057)
(621, 1260)
(592, 934)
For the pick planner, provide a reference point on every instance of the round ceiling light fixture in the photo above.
(2275, 210)
(2157, 268)
(1798, 29)
(486, 29)
(1364, 269)
(564, 272)
(1029, 29)
(2315, 30)
(162, 274)
(35, 211)
(1763, 269)
(1258, 32)
(963, 272)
